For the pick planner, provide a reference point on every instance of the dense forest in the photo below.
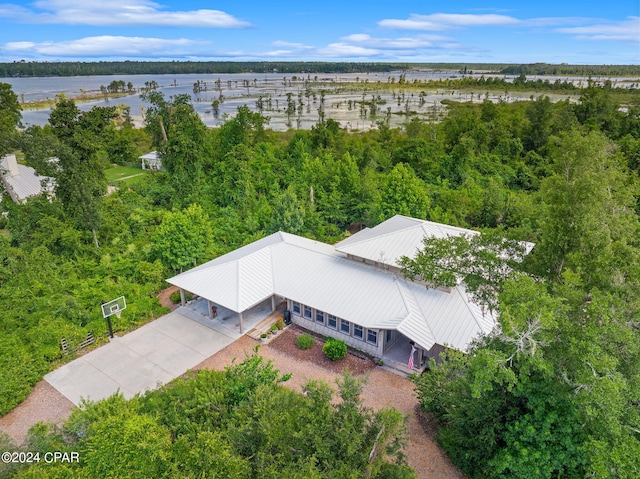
(554, 392)
(39, 69)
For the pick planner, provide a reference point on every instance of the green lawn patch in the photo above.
(119, 172)
(125, 175)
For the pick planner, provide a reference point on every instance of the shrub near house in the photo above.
(335, 349)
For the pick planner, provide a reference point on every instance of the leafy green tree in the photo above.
(38, 145)
(288, 213)
(135, 446)
(186, 151)
(10, 116)
(403, 193)
(589, 220)
(238, 424)
(182, 238)
(81, 186)
(64, 119)
(157, 116)
(503, 411)
(482, 262)
(246, 127)
(81, 150)
(540, 115)
(598, 111)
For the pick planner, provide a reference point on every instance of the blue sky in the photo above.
(558, 31)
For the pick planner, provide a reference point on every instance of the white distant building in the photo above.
(353, 291)
(21, 182)
(151, 161)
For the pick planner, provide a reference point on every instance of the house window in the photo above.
(345, 326)
(372, 336)
(358, 332)
(332, 321)
(307, 312)
(319, 317)
(296, 308)
(389, 336)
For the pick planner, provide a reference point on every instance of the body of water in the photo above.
(336, 96)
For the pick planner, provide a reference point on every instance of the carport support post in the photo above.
(182, 296)
(209, 309)
(240, 317)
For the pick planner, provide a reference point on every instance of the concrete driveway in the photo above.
(142, 360)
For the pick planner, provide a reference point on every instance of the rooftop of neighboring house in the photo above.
(22, 181)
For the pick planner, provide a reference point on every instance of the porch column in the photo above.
(209, 309)
(273, 303)
(240, 318)
(182, 296)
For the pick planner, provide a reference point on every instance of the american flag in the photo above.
(410, 364)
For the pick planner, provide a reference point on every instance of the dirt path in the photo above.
(165, 297)
(44, 404)
(383, 389)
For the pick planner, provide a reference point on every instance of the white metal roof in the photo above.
(317, 275)
(23, 181)
(150, 156)
(396, 237)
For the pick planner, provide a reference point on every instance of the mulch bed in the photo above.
(285, 342)
(165, 297)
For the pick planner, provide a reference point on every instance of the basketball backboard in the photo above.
(114, 307)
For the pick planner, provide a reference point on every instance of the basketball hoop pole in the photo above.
(108, 318)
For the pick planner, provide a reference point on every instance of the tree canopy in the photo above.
(235, 424)
(10, 116)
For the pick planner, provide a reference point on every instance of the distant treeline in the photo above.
(576, 70)
(40, 69)
(36, 69)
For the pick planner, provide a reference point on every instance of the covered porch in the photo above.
(209, 312)
(397, 351)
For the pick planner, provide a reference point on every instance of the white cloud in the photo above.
(19, 46)
(279, 53)
(341, 49)
(118, 12)
(109, 46)
(418, 41)
(12, 11)
(300, 46)
(361, 45)
(447, 21)
(627, 30)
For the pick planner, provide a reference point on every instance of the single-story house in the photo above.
(353, 290)
(151, 161)
(21, 181)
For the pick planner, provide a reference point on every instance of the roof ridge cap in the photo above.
(467, 302)
(424, 316)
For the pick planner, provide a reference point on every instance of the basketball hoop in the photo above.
(113, 307)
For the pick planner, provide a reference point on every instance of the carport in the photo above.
(236, 282)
